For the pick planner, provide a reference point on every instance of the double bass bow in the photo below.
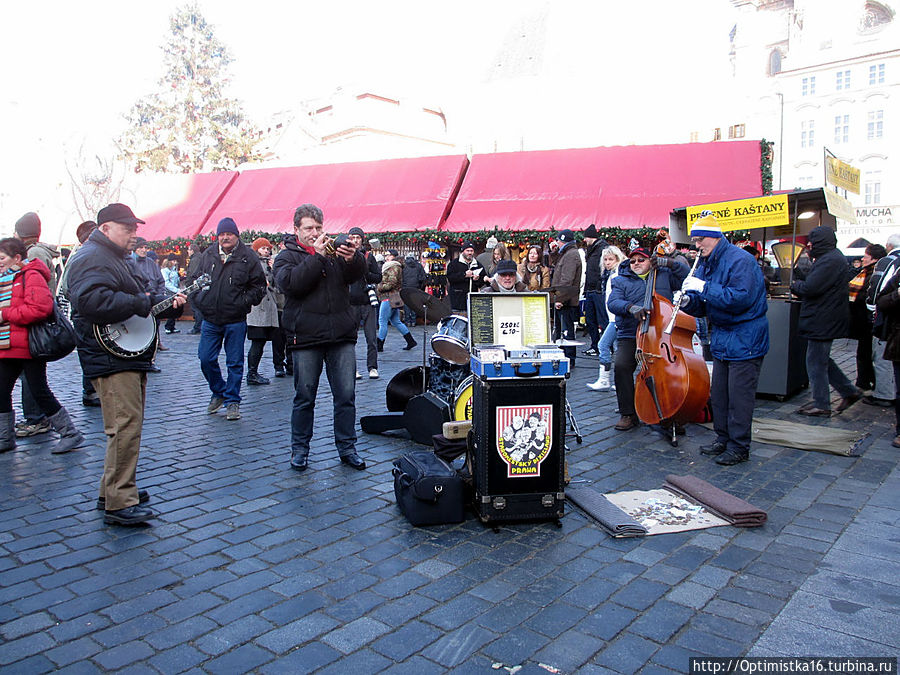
(672, 385)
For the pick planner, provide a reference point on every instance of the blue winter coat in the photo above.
(734, 303)
(629, 289)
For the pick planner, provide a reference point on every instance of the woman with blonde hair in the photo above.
(534, 275)
(611, 259)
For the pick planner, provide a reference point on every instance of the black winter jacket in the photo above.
(359, 295)
(317, 308)
(593, 266)
(235, 287)
(824, 310)
(105, 286)
(413, 275)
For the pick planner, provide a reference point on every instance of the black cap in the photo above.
(505, 267)
(139, 241)
(591, 232)
(117, 213)
(565, 236)
(357, 231)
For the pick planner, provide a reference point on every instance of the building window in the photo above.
(876, 74)
(842, 129)
(775, 62)
(808, 86)
(842, 80)
(717, 134)
(695, 136)
(873, 193)
(807, 133)
(736, 131)
(874, 128)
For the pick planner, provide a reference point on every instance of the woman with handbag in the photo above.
(25, 299)
(391, 302)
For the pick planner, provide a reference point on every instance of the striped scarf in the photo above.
(859, 284)
(6, 284)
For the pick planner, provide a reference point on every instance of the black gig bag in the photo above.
(427, 489)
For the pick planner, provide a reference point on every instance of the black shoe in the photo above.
(716, 448)
(732, 457)
(847, 401)
(279, 372)
(256, 378)
(154, 368)
(90, 401)
(813, 412)
(880, 402)
(590, 351)
(300, 464)
(143, 496)
(131, 515)
(353, 460)
(174, 330)
(193, 331)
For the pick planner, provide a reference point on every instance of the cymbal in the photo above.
(569, 343)
(562, 289)
(424, 303)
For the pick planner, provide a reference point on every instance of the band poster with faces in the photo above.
(509, 319)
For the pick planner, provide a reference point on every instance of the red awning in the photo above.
(398, 195)
(176, 205)
(627, 186)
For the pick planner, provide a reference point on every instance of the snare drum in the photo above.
(451, 341)
(462, 401)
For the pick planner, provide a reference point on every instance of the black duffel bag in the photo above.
(427, 489)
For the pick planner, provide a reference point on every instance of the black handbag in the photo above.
(428, 490)
(52, 338)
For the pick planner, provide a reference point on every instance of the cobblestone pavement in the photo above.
(253, 567)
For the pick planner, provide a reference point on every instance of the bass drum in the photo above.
(404, 386)
(462, 400)
(451, 341)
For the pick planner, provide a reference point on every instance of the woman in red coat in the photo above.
(24, 299)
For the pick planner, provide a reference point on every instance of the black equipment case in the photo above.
(517, 458)
(428, 490)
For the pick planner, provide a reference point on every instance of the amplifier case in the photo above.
(517, 457)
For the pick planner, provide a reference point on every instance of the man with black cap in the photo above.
(237, 283)
(595, 314)
(505, 280)
(626, 301)
(315, 273)
(366, 310)
(103, 288)
(567, 279)
(730, 291)
(464, 275)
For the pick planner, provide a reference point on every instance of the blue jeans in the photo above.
(595, 316)
(822, 371)
(340, 369)
(605, 346)
(212, 336)
(389, 315)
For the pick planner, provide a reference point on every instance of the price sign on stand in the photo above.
(510, 331)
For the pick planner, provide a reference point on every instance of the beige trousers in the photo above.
(122, 397)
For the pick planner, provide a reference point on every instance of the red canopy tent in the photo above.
(397, 195)
(176, 205)
(626, 186)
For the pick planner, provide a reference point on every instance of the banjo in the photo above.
(136, 336)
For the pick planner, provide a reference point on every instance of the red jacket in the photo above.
(31, 301)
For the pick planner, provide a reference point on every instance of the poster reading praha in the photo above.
(524, 436)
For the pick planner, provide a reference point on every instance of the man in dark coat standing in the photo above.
(824, 317)
(104, 287)
(237, 283)
(595, 315)
(367, 313)
(321, 325)
(464, 275)
(566, 273)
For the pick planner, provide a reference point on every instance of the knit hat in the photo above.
(28, 225)
(505, 267)
(139, 241)
(590, 232)
(394, 252)
(259, 242)
(465, 245)
(117, 213)
(227, 225)
(491, 243)
(707, 226)
(565, 236)
(640, 251)
(357, 231)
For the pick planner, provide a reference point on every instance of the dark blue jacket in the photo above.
(629, 289)
(824, 310)
(734, 303)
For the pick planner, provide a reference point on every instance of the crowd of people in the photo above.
(310, 299)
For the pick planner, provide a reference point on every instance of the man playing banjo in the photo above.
(104, 288)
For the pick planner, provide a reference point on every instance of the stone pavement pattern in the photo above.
(253, 567)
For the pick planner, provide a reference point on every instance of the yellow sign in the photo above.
(840, 207)
(745, 214)
(841, 175)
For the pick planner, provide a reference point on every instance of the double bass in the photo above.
(672, 385)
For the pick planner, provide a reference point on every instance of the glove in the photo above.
(693, 284)
(661, 261)
(636, 311)
(683, 299)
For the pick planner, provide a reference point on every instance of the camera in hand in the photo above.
(341, 240)
(373, 296)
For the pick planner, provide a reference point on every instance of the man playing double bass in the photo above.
(730, 291)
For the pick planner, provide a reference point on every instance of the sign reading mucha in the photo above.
(524, 437)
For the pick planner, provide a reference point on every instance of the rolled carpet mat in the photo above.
(735, 510)
(611, 518)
